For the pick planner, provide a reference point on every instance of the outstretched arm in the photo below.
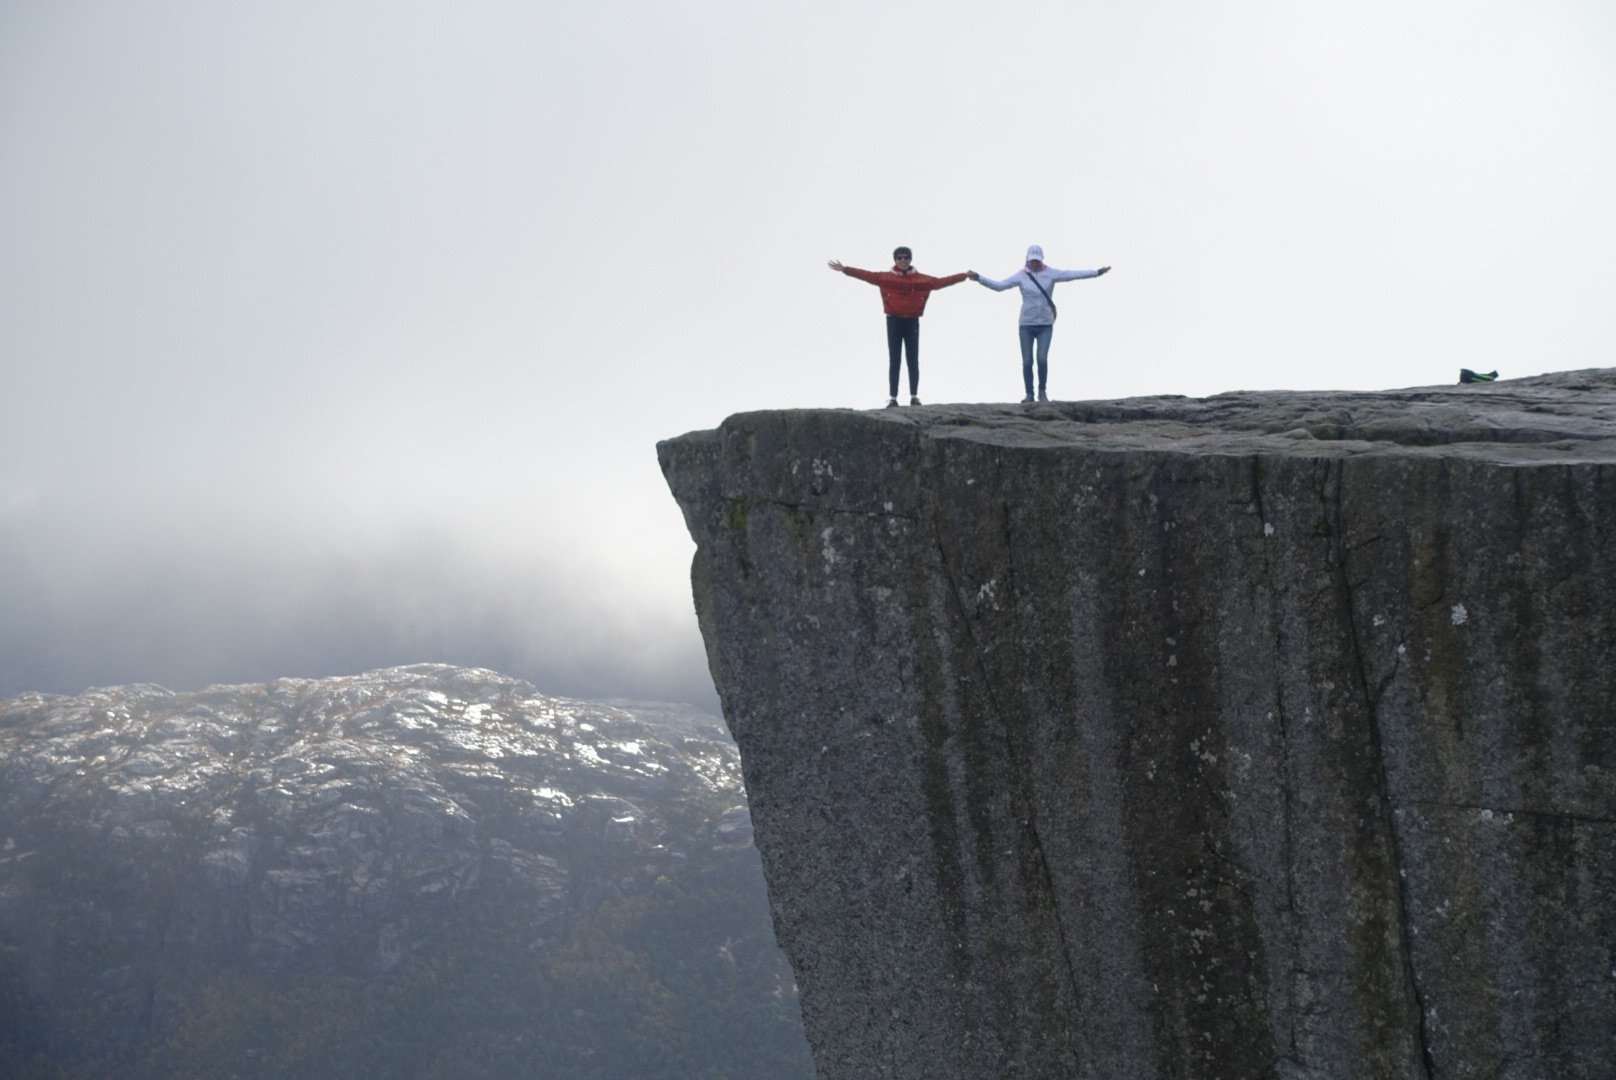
(1079, 275)
(945, 282)
(996, 286)
(863, 275)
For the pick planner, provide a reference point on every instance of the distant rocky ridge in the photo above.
(1270, 735)
(156, 848)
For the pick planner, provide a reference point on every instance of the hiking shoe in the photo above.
(1028, 399)
(1042, 396)
(914, 400)
(892, 403)
(1466, 375)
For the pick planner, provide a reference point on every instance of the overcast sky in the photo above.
(336, 335)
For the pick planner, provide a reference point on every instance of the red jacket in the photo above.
(904, 295)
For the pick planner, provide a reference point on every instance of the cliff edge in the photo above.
(1264, 735)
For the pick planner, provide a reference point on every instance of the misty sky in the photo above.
(335, 335)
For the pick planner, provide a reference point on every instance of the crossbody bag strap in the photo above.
(1054, 312)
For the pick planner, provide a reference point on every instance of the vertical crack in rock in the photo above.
(1018, 757)
(1371, 703)
(1278, 650)
(1021, 790)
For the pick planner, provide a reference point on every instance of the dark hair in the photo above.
(901, 251)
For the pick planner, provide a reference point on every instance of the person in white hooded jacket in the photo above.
(1037, 283)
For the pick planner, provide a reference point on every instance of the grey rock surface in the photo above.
(1266, 735)
(152, 842)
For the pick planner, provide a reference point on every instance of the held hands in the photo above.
(972, 274)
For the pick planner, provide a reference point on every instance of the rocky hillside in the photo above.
(419, 872)
(1267, 735)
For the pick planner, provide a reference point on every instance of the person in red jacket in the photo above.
(903, 296)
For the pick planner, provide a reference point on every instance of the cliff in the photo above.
(421, 872)
(1266, 735)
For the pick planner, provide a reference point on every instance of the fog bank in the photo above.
(189, 615)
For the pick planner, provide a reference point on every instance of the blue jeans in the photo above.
(1041, 334)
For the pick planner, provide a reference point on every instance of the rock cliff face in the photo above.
(418, 872)
(1266, 735)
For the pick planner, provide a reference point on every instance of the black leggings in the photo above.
(902, 331)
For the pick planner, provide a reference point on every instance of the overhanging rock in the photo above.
(1266, 735)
